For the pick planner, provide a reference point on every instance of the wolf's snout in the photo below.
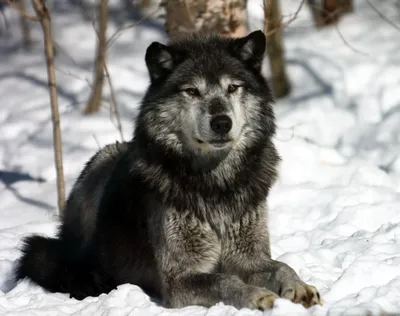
(221, 124)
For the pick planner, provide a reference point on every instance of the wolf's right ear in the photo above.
(159, 60)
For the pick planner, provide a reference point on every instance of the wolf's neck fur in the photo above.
(243, 183)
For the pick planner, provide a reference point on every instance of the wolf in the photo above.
(181, 209)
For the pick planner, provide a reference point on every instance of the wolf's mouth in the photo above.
(216, 143)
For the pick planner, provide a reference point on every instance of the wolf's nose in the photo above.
(221, 124)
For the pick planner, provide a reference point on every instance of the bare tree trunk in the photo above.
(275, 51)
(316, 11)
(328, 12)
(43, 14)
(347, 6)
(237, 17)
(145, 4)
(94, 103)
(3, 18)
(226, 18)
(26, 31)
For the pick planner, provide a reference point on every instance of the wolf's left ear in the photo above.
(250, 49)
(159, 60)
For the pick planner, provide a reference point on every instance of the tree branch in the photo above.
(114, 103)
(114, 36)
(382, 15)
(17, 8)
(286, 24)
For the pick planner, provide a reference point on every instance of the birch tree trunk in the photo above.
(43, 14)
(226, 18)
(275, 50)
(94, 102)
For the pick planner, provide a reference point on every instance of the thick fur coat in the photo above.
(181, 210)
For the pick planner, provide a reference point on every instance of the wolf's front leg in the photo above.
(247, 254)
(208, 289)
(283, 280)
(188, 253)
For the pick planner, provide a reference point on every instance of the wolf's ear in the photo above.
(159, 60)
(250, 49)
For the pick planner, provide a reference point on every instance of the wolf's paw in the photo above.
(262, 299)
(302, 293)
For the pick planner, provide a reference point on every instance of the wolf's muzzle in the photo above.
(221, 124)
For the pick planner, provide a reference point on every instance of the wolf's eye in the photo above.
(192, 92)
(232, 88)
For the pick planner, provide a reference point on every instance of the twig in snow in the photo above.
(385, 18)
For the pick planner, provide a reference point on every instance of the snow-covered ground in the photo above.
(335, 212)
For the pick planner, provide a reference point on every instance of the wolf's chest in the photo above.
(226, 220)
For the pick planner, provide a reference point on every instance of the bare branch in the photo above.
(114, 103)
(58, 46)
(68, 73)
(26, 15)
(295, 15)
(118, 32)
(286, 24)
(97, 142)
(340, 33)
(382, 15)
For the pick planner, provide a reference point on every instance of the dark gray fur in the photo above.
(181, 210)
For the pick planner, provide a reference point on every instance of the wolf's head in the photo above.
(207, 96)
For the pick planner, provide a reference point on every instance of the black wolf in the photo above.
(181, 209)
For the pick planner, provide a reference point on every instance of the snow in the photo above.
(335, 211)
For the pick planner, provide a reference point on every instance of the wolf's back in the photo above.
(80, 215)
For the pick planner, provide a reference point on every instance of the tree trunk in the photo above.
(226, 18)
(43, 14)
(275, 51)
(26, 31)
(145, 4)
(347, 6)
(238, 18)
(316, 11)
(328, 12)
(94, 103)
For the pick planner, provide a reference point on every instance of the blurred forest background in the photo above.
(174, 17)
